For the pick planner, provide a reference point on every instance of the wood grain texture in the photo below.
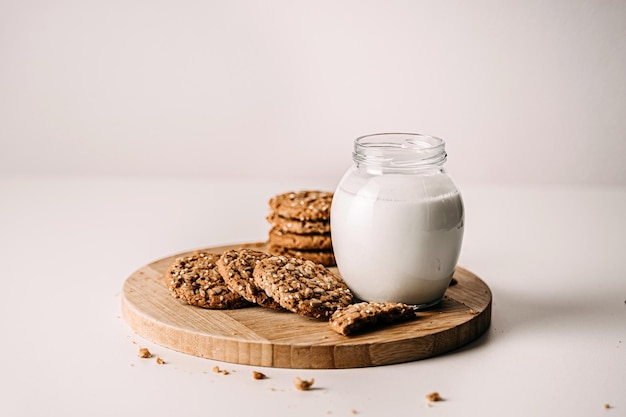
(264, 337)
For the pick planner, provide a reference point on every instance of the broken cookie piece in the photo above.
(369, 315)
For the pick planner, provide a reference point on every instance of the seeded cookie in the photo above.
(302, 286)
(285, 225)
(236, 268)
(365, 315)
(196, 280)
(294, 241)
(324, 257)
(303, 205)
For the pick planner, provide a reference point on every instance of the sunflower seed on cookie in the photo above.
(302, 286)
(236, 267)
(195, 280)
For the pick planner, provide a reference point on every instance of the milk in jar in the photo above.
(397, 220)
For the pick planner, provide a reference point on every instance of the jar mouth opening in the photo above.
(400, 140)
(411, 150)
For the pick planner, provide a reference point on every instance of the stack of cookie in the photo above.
(301, 226)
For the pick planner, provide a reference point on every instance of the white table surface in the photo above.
(551, 255)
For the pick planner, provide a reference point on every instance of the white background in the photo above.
(522, 91)
(132, 130)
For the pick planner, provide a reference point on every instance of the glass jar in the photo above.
(397, 220)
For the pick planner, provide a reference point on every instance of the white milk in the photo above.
(391, 248)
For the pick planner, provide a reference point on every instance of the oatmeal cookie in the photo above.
(366, 315)
(324, 257)
(302, 286)
(195, 280)
(285, 225)
(236, 268)
(294, 241)
(303, 205)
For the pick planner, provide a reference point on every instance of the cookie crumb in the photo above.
(258, 375)
(434, 396)
(160, 361)
(353, 411)
(302, 384)
(217, 370)
(144, 353)
(607, 406)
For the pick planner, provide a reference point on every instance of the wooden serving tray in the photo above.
(265, 337)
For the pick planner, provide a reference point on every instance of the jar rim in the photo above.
(400, 140)
(399, 150)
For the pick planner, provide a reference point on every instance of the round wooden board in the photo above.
(264, 337)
